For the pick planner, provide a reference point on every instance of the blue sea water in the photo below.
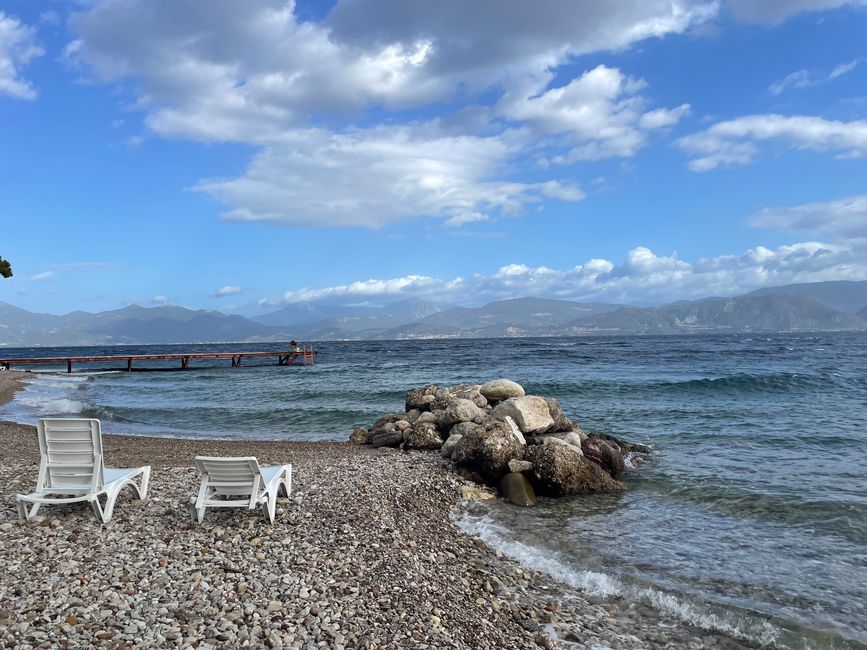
(751, 519)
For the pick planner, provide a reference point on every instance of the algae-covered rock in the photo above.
(422, 436)
(604, 453)
(490, 447)
(561, 470)
(421, 398)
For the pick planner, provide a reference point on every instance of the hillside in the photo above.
(133, 324)
(843, 295)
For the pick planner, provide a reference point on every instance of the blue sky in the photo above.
(238, 156)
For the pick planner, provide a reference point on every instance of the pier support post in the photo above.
(69, 365)
(129, 365)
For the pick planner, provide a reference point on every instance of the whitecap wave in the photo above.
(53, 406)
(594, 583)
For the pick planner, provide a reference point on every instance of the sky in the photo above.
(241, 156)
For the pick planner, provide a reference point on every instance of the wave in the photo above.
(693, 610)
(780, 382)
(595, 583)
(52, 405)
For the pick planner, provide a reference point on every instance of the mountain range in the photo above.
(819, 306)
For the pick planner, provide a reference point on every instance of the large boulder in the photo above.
(530, 413)
(462, 429)
(604, 453)
(422, 436)
(360, 436)
(421, 398)
(387, 419)
(461, 410)
(625, 447)
(517, 489)
(561, 470)
(501, 389)
(386, 437)
(561, 422)
(490, 447)
(427, 416)
(443, 397)
(568, 438)
(449, 445)
(471, 392)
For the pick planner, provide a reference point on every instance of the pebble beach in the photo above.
(364, 553)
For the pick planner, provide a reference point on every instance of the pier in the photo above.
(307, 356)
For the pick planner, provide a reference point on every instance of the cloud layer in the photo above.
(643, 277)
(323, 101)
(736, 142)
(844, 219)
(18, 47)
(772, 12)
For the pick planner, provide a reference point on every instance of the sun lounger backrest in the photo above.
(71, 450)
(241, 473)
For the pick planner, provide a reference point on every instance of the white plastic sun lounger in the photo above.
(239, 482)
(71, 469)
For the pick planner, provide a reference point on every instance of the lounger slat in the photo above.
(232, 476)
(241, 481)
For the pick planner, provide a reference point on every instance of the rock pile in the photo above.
(497, 434)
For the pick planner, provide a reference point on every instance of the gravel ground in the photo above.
(363, 554)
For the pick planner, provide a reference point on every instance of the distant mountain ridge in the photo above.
(130, 325)
(820, 306)
(843, 295)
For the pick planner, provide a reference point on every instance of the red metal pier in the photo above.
(307, 355)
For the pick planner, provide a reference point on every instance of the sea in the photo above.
(749, 520)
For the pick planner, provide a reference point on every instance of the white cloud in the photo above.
(378, 176)
(843, 219)
(45, 275)
(773, 12)
(642, 277)
(805, 78)
(160, 299)
(228, 290)
(251, 72)
(601, 112)
(734, 142)
(17, 48)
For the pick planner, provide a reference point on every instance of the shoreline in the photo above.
(11, 381)
(365, 553)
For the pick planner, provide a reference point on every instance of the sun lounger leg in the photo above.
(287, 482)
(269, 508)
(142, 490)
(100, 512)
(23, 514)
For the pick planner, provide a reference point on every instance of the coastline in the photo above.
(11, 381)
(363, 554)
